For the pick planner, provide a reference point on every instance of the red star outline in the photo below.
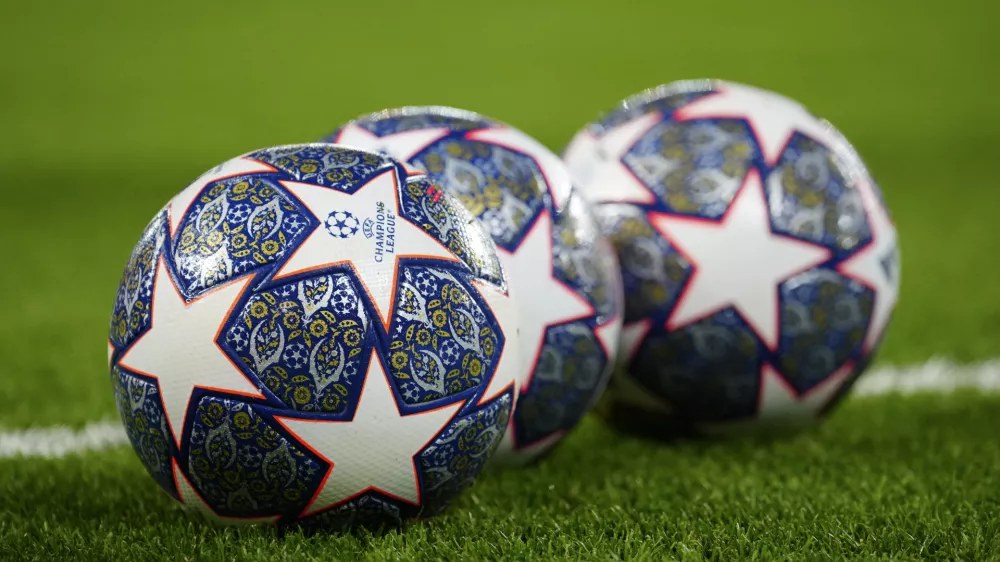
(111, 353)
(541, 341)
(670, 325)
(650, 197)
(512, 387)
(245, 279)
(679, 116)
(410, 169)
(173, 232)
(176, 470)
(868, 199)
(836, 378)
(870, 247)
(473, 136)
(371, 488)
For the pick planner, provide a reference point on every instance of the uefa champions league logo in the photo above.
(342, 224)
(381, 229)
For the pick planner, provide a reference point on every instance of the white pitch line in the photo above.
(57, 442)
(935, 376)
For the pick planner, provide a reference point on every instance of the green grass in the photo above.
(108, 108)
(860, 486)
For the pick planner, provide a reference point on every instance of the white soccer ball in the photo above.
(563, 273)
(312, 332)
(759, 260)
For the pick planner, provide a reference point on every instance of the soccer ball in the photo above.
(310, 332)
(759, 261)
(562, 272)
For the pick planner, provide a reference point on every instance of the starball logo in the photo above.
(380, 228)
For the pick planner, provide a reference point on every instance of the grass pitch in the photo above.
(889, 477)
(111, 107)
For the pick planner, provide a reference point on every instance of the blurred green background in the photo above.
(108, 108)
(104, 82)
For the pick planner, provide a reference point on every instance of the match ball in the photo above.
(760, 264)
(313, 333)
(563, 273)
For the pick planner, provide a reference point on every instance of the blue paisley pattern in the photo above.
(571, 365)
(130, 315)
(451, 463)
(710, 370)
(441, 341)
(816, 202)
(824, 316)
(306, 342)
(451, 223)
(578, 261)
(243, 467)
(694, 168)
(416, 118)
(366, 510)
(325, 165)
(235, 226)
(146, 426)
(653, 272)
(506, 191)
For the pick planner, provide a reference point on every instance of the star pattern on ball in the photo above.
(508, 367)
(180, 349)
(405, 145)
(374, 451)
(738, 261)
(402, 146)
(180, 204)
(779, 402)
(554, 171)
(193, 502)
(373, 258)
(527, 451)
(609, 335)
(613, 180)
(772, 118)
(877, 264)
(543, 301)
